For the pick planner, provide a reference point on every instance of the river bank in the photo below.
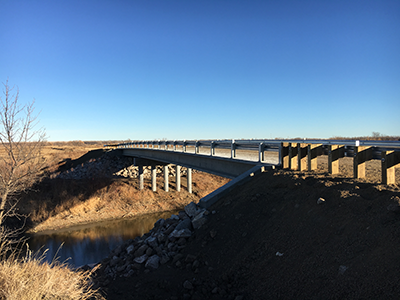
(89, 201)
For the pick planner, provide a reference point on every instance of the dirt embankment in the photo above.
(270, 239)
(61, 203)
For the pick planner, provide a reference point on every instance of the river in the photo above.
(89, 244)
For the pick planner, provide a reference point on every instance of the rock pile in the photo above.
(162, 245)
(110, 165)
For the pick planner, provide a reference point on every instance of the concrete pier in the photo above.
(166, 175)
(153, 178)
(141, 177)
(178, 177)
(189, 180)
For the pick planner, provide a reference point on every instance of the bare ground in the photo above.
(269, 239)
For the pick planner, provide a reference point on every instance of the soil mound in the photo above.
(285, 235)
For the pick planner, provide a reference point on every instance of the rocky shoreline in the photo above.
(160, 246)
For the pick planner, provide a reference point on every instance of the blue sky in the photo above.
(146, 69)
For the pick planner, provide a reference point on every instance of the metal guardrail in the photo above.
(292, 152)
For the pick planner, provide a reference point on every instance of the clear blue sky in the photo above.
(147, 69)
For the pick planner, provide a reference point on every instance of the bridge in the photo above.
(241, 159)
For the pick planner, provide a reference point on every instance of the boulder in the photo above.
(153, 262)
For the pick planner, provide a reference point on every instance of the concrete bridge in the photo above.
(241, 159)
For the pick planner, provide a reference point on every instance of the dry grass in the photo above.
(31, 278)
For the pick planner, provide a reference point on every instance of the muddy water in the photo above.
(88, 244)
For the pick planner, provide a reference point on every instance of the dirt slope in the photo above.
(269, 239)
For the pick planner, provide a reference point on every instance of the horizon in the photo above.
(141, 70)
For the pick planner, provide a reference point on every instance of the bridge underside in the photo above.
(225, 167)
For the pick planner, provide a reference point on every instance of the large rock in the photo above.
(183, 233)
(184, 224)
(153, 262)
(199, 220)
(141, 259)
(142, 250)
(191, 209)
(152, 242)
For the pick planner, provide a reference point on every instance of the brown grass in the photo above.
(31, 278)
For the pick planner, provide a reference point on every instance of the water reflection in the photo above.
(91, 243)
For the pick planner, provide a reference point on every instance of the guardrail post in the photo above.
(212, 150)
(196, 147)
(153, 178)
(184, 146)
(174, 145)
(189, 180)
(261, 152)
(233, 149)
(166, 176)
(178, 177)
(314, 150)
(361, 155)
(335, 152)
(284, 154)
(141, 177)
(390, 161)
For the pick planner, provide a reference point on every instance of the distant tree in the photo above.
(376, 134)
(21, 146)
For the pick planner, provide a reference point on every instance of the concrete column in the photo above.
(178, 177)
(314, 150)
(141, 177)
(335, 152)
(284, 156)
(153, 178)
(301, 157)
(390, 161)
(166, 184)
(189, 180)
(293, 156)
(362, 155)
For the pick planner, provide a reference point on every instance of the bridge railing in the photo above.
(290, 154)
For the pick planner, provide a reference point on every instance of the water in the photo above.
(89, 244)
